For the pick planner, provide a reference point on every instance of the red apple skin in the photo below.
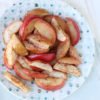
(6, 62)
(34, 74)
(23, 31)
(19, 71)
(36, 69)
(45, 57)
(76, 36)
(49, 87)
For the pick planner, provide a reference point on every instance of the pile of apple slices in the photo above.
(41, 48)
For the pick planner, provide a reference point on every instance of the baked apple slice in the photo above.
(27, 27)
(46, 30)
(59, 20)
(24, 62)
(69, 60)
(61, 35)
(10, 30)
(50, 83)
(63, 48)
(74, 31)
(18, 46)
(37, 12)
(48, 57)
(34, 74)
(73, 53)
(19, 71)
(10, 55)
(42, 65)
(17, 82)
(66, 68)
(56, 74)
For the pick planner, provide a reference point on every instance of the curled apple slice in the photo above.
(19, 71)
(73, 52)
(18, 46)
(56, 74)
(10, 55)
(38, 12)
(74, 31)
(63, 48)
(27, 27)
(61, 35)
(50, 83)
(69, 60)
(17, 82)
(42, 65)
(46, 30)
(10, 30)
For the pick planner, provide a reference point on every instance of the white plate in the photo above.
(85, 47)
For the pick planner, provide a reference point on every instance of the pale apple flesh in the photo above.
(13, 28)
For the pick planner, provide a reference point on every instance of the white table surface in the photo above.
(91, 88)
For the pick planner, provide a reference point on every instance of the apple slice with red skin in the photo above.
(66, 68)
(10, 55)
(63, 48)
(45, 57)
(46, 30)
(42, 65)
(60, 21)
(12, 28)
(34, 74)
(74, 31)
(19, 71)
(69, 60)
(6, 61)
(56, 74)
(50, 83)
(27, 27)
(61, 35)
(18, 46)
(36, 12)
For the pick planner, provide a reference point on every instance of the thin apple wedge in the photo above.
(50, 83)
(36, 12)
(19, 71)
(42, 65)
(69, 60)
(73, 70)
(46, 30)
(60, 67)
(66, 68)
(73, 53)
(61, 35)
(18, 46)
(13, 28)
(56, 74)
(17, 82)
(10, 55)
(63, 48)
(23, 62)
(60, 21)
(74, 31)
